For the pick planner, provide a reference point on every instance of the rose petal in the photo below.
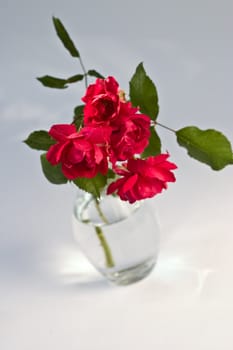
(55, 153)
(60, 131)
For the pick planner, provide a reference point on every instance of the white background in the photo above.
(50, 297)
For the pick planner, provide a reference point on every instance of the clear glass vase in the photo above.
(121, 240)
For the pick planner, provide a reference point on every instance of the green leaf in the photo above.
(78, 122)
(65, 38)
(207, 146)
(94, 73)
(78, 116)
(111, 174)
(39, 140)
(59, 83)
(154, 146)
(78, 111)
(53, 173)
(93, 186)
(75, 78)
(143, 93)
(53, 82)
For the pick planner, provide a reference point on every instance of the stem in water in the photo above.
(107, 251)
(105, 246)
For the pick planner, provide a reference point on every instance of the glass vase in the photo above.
(121, 240)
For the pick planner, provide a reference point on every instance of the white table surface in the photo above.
(50, 297)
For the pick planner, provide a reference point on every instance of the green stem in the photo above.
(107, 251)
(101, 214)
(165, 127)
(84, 71)
(104, 244)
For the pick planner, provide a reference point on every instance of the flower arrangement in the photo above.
(112, 146)
(112, 141)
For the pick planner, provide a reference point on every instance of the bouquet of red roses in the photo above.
(112, 141)
(110, 137)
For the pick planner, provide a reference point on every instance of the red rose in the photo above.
(143, 178)
(81, 154)
(131, 135)
(102, 102)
